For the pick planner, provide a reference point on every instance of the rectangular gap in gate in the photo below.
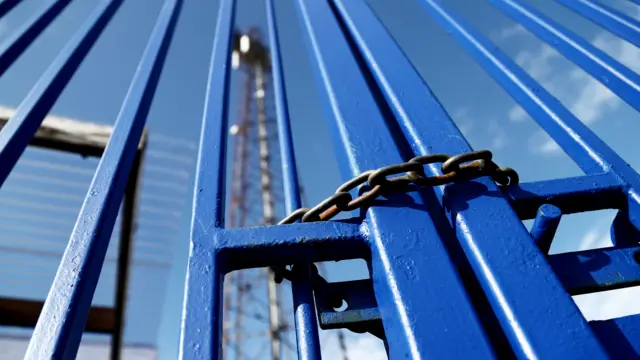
(611, 304)
(257, 315)
(581, 231)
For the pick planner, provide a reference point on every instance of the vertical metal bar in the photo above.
(612, 74)
(17, 133)
(201, 335)
(19, 41)
(127, 230)
(61, 323)
(492, 237)
(589, 152)
(6, 6)
(545, 226)
(415, 281)
(307, 337)
(610, 19)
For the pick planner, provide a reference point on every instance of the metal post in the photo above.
(129, 210)
(268, 208)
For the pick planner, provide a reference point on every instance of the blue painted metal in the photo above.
(618, 334)
(617, 77)
(620, 24)
(596, 270)
(589, 152)
(545, 226)
(201, 335)
(572, 195)
(59, 330)
(357, 123)
(449, 263)
(525, 323)
(15, 45)
(361, 311)
(6, 6)
(29, 115)
(303, 303)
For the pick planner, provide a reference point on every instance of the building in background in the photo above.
(40, 201)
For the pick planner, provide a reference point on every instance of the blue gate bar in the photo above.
(545, 226)
(572, 195)
(454, 273)
(595, 270)
(589, 152)
(64, 314)
(24, 123)
(303, 303)
(248, 248)
(487, 228)
(610, 19)
(617, 77)
(201, 335)
(6, 6)
(14, 46)
(626, 327)
(406, 242)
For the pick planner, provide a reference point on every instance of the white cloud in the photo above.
(591, 234)
(549, 146)
(593, 100)
(461, 117)
(538, 62)
(541, 142)
(359, 347)
(510, 32)
(598, 236)
(498, 135)
(491, 128)
(584, 96)
(517, 114)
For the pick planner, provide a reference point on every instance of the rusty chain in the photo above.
(374, 183)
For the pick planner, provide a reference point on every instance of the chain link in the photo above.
(373, 183)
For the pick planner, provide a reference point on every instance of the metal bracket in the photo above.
(361, 314)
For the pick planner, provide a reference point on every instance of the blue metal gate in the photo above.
(454, 273)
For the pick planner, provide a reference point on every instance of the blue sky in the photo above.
(487, 116)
